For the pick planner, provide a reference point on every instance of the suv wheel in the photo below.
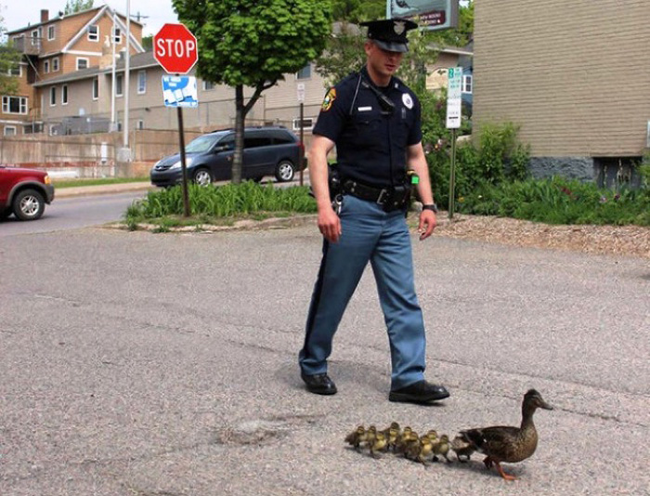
(285, 171)
(28, 204)
(203, 177)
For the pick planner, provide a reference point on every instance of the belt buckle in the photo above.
(383, 196)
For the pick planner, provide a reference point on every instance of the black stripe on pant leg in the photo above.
(316, 298)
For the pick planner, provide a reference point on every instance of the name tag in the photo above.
(364, 109)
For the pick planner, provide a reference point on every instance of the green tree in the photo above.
(147, 43)
(253, 43)
(9, 60)
(358, 10)
(344, 51)
(73, 6)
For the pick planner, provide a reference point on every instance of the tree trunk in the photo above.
(240, 116)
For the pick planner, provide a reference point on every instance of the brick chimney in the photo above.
(45, 15)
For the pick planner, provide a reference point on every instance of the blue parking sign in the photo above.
(180, 91)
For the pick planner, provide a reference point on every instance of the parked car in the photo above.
(24, 192)
(268, 151)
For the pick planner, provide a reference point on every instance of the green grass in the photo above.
(75, 183)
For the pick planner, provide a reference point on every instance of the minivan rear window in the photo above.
(256, 141)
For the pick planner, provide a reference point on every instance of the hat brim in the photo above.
(391, 46)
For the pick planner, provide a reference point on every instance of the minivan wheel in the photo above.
(203, 177)
(28, 204)
(285, 171)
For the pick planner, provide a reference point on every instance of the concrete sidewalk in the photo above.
(102, 189)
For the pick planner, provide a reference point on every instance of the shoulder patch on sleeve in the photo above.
(329, 99)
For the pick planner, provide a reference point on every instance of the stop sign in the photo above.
(175, 48)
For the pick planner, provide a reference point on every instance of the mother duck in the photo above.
(505, 443)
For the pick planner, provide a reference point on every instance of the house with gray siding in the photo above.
(574, 75)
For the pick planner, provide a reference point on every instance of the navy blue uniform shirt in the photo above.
(371, 147)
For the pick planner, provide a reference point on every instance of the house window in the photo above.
(15, 70)
(64, 94)
(304, 73)
(467, 84)
(93, 33)
(117, 35)
(46, 66)
(139, 124)
(14, 104)
(10, 131)
(82, 63)
(142, 82)
(35, 37)
(119, 84)
(50, 33)
(55, 64)
(307, 123)
(95, 88)
(52, 96)
(207, 85)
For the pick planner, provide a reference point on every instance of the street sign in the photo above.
(430, 14)
(180, 91)
(454, 98)
(175, 48)
(301, 92)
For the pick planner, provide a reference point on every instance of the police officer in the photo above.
(374, 121)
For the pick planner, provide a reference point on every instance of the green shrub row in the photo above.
(558, 201)
(228, 200)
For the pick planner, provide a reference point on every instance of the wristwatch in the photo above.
(431, 206)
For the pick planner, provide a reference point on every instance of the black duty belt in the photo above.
(389, 198)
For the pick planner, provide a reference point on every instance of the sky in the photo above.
(154, 13)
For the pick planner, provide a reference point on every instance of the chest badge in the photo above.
(407, 100)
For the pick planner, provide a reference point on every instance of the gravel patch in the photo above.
(607, 240)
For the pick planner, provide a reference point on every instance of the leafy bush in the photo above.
(559, 201)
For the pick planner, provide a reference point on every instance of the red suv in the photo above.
(24, 192)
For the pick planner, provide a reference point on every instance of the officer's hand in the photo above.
(329, 224)
(427, 224)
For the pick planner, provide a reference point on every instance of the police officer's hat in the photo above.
(390, 34)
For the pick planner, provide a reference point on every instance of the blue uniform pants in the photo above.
(369, 234)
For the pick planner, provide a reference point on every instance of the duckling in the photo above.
(421, 450)
(410, 446)
(441, 447)
(393, 426)
(356, 437)
(371, 435)
(392, 436)
(400, 443)
(380, 443)
(433, 435)
(462, 448)
(505, 443)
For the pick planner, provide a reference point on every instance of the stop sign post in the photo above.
(176, 50)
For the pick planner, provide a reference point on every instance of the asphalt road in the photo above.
(73, 212)
(165, 364)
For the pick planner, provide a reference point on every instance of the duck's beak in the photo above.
(544, 405)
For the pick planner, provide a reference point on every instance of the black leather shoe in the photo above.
(319, 384)
(419, 392)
